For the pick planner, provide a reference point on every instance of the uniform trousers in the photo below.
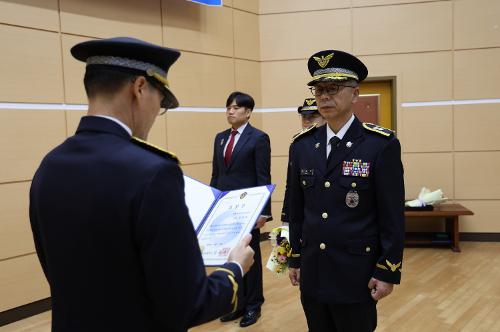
(345, 317)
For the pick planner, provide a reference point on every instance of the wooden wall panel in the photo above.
(247, 79)
(484, 63)
(476, 23)
(430, 170)
(476, 175)
(21, 282)
(476, 127)
(247, 5)
(30, 66)
(190, 135)
(332, 29)
(191, 27)
(286, 6)
(396, 23)
(246, 35)
(31, 13)
(74, 71)
(109, 18)
(15, 230)
(427, 129)
(28, 135)
(200, 80)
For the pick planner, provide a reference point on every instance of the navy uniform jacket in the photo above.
(115, 240)
(346, 228)
(250, 162)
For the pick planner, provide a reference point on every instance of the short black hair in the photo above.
(241, 99)
(106, 81)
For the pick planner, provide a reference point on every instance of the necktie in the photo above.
(229, 149)
(334, 142)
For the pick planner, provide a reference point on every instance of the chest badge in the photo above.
(352, 199)
(317, 145)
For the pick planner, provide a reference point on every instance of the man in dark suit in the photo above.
(242, 159)
(107, 210)
(347, 205)
(309, 116)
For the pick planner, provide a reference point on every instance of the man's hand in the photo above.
(260, 222)
(242, 253)
(380, 289)
(294, 275)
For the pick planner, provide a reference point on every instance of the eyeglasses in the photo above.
(329, 90)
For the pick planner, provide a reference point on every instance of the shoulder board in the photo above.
(155, 149)
(377, 129)
(309, 129)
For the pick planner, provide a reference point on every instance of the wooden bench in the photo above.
(449, 213)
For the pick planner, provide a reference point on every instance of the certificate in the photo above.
(221, 219)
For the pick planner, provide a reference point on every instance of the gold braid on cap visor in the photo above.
(152, 70)
(335, 73)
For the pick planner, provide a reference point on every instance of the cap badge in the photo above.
(323, 61)
(309, 102)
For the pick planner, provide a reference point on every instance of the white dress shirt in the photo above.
(236, 137)
(340, 134)
(124, 126)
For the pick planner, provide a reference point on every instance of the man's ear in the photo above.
(355, 94)
(138, 86)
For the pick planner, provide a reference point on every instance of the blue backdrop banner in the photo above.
(208, 2)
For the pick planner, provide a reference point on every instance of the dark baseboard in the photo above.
(480, 237)
(264, 236)
(24, 311)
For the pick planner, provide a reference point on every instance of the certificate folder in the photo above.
(222, 218)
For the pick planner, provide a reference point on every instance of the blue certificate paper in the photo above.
(221, 219)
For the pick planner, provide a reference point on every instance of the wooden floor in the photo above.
(440, 291)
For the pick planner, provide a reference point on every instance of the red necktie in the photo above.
(229, 149)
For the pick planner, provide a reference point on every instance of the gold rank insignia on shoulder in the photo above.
(323, 60)
(377, 129)
(304, 131)
(154, 148)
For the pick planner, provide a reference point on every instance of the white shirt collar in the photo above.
(341, 133)
(241, 128)
(124, 126)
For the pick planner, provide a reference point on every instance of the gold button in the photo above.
(368, 249)
(322, 246)
(304, 182)
(324, 215)
(327, 184)
(353, 184)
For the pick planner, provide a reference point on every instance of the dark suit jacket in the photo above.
(340, 242)
(250, 162)
(115, 241)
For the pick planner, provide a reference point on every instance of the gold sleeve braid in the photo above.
(230, 276)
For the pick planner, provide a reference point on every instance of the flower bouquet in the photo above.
(281, 252)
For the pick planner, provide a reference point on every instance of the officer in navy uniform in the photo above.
(347, 204)
(107, 210)
(309, 116)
